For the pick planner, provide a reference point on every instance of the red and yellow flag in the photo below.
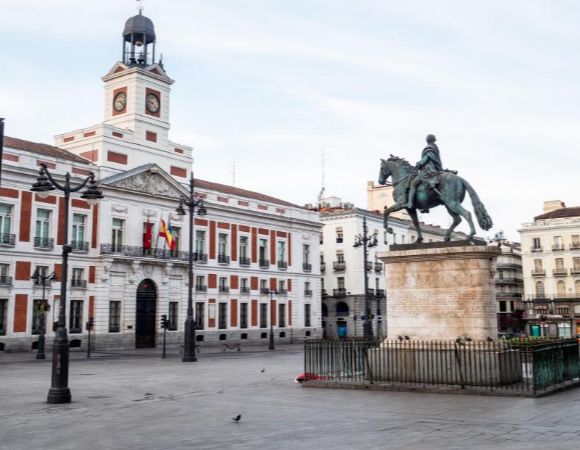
(165, 232)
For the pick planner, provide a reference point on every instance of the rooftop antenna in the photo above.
(234, 174)
(323, 179)
(140, 7)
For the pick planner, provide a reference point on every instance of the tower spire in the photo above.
(140, 7)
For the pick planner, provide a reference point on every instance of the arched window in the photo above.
(540, 289)
(342, 309)
(561, 288)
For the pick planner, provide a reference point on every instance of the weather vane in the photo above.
(140, 2)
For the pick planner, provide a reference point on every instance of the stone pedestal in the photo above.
(438, 292)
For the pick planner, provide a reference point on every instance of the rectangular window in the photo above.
(263, 285)
(200, 283)
(117, 235)
(42, 224)
(538, 266)
(200, 242)
(564, 330)
(377, 283)
(263, 315)
(78, 229)
(200, 315)
(3, 316)
(243, 315)
(536, 244)
(339, 235)
(307, 315)
(306, 254)
(114, 317)
(5, 274)
(340, 283)
(281, 251)
(39, 308)
(223, 283)
(576, 264)
(559, 264)
(43, 272)
(78, 277)
(339, 257)
(76, 316)
(222, 244)
(223, 316)
(5, 221)
(263, 249)
(282, 286)
(173, 317)
(575, 241)
(176, 233)
(244, 284)
(243, 246)
(281, 315)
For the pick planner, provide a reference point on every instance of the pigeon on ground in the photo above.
(237, 418)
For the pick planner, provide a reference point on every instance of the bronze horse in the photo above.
(449, 192)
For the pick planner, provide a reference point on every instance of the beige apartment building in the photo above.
(551, 269)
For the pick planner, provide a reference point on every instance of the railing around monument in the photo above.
(510, 367)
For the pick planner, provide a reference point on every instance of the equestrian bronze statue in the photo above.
(427, 185)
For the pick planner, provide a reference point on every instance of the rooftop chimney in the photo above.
(553, 205)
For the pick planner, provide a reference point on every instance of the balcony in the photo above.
(369, 266)
(566, 296)
(378, 267)
(44, 243)
(575, 246)
(380, 293)
(575, 271)
(7, 240)
(322, 267)
(47, 283)
(78, 284)
(339, 266)
(341, 292)
(339, 240)
(560, 272)
(79, 246)
(371, 292)
(200, 257)
(558, 247)
(307, 267)
(308, 292)
(539, 297)
(200, 288)
(509, 280)
(324, 293)
(5, 280)
(224, 289)
(282, 265)
(264, 263)
(223, 259)
(509, 296)
(244, 290)
(535, 249)
(132, 251)
(538, 273)
(282, 291)
(264, 291)
(244, 261)
(563, 310)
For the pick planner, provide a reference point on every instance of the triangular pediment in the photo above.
(147, 179)
(117, 68)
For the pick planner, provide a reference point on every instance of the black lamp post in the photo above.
(272, 292)
(59, 391)
(42, 280)
(365, 241)
(189, 330)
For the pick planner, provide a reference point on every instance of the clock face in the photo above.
(120, 101)
(152, 103)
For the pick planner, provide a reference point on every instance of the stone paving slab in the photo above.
(150, 403)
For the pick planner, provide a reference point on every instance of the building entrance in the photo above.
(145, 314)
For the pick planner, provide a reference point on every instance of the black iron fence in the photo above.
(530, 368)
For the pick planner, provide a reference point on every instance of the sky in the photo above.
(271, 85)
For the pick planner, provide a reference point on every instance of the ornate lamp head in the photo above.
(92, 193)
(202, 211)
(43, 184)
(180, 210)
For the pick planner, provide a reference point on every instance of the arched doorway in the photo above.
(145, 314)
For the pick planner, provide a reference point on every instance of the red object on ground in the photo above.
(308, 376)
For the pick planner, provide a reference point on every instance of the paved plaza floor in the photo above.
(128, 402)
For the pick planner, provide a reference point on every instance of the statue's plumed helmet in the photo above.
(431, 138)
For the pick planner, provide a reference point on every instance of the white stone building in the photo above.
(247, 245)
(343, 300)
(551, 268)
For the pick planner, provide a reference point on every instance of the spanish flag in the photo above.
(165, 232)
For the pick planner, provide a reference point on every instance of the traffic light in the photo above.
(90, 323)
(164, 322)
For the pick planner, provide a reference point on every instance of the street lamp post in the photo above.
(42, 280)
(272, 292)
(189, 330)
(59, 391)
(365, 241)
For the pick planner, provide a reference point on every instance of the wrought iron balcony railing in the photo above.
(79, 246)
(560, 272)
(80, 284)
(536, 249)
(264, 263)
(378, 267)
(380, 293)
(558, 247)
(339, 292)
(307, 267)
(575, 246)
(5, 280)
(324, 293)
(200, 257)
(371, 292)
(322, 267)
(44, 243)
(244, 261)
(308, 292)
(264, 291)
(224, 289)
(282, 265)
(223, 259)
(339, 266)
(245, 290)
(201, 288)
(538, 273)
(575, 271)
(7, 240)
(282, 291)
(132, 251)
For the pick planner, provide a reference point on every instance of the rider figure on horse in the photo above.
(428, 169)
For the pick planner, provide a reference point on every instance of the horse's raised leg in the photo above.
(456, 220)
(458, 209)
(413, 213)
(396, 207)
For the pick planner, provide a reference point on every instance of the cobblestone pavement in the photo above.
(149, 403)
